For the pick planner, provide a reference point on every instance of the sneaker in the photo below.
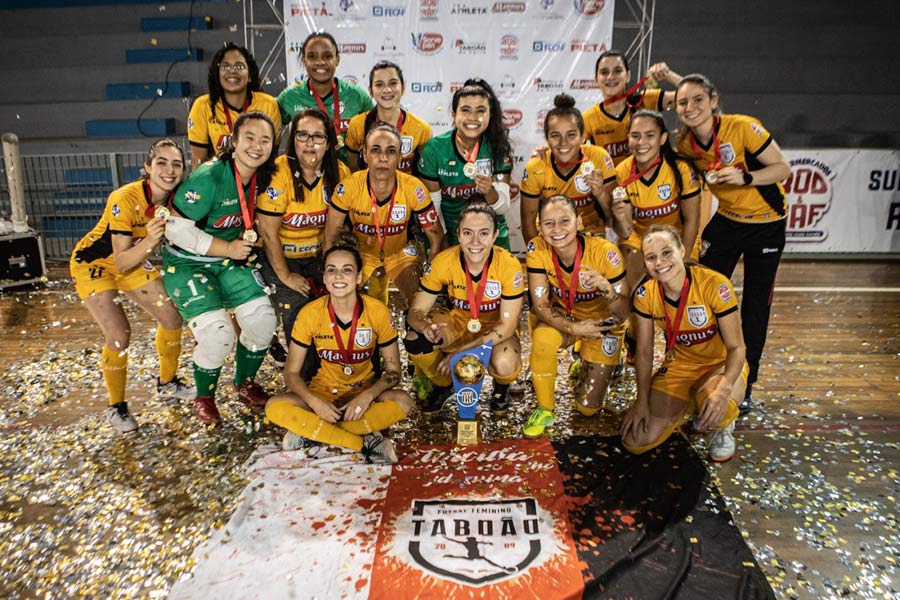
(436, 399)
(205, 409)
(747, 404)
(537, 422)
(120, 419)
(376, 446)
(292, 441)
(251, 394)
(500, 399)
(175, 389)
(278, 354)
(721, 444)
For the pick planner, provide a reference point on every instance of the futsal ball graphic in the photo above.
(469, 370)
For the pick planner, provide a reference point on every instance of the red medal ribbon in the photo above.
(717, 153)
(634, 176)
(336, 103)
(475, 307)
(151, 207)
(469, 156)
(247, 208)
(346, 352)
(672, 328)
(228, 112)
(566, 165)
(401, 120)
(568, 295)
(627, 92)
(381, 238)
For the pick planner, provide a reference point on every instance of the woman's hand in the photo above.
(730, 176)
(324, 410)
(356, 408)
(636, 419)
(714, 408)
(434, 332)
(239, 249)
(298, 283)
(156, 230)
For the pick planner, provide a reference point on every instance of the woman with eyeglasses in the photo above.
(381, 203)
(234, 88)
(386, 86)
(341, 99)
(291, 214)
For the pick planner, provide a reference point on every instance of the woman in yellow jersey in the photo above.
(291, 214)
(571, 168)
(744, 168)
(660, 189)
(486, 288)
(578, 293)
(234, 88)
(112, 258)
(381, 203)
(607, 121)
(704, 373)
(346, 404)
(386, 86)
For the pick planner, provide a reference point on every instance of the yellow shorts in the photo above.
(682, 381)
(101, 276)
(603, 351)
(338, 393)
(394, 264)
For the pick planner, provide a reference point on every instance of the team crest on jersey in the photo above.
(190, 123)
(273, 194)
(340, 189)
(492, 289)
(530, 247)
(410, 250)
(664, 191)
(428, 269)
(581, 184)
(116, 210)
(724, 293)
(640, 292)
(363, 337)
(610, 345)
(398, 213)
(406, 145)
(697, 315)
(191, 196)
(613, 257)
(727, 153)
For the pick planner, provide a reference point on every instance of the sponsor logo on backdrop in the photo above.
(387, 49)
(458, 8)
(427, 43)
(379, 10)
(455, 85)
(583, 84)
(541, 117)
(808, 190)
(352, 48)
(586, 46)
(428, 10)
(589, 8)
(425, 87)
(303, 9)
(509, 47)
(469, 48)
(547, 11)
(512, 117)
(508, 7)
(547, 85)
(350, 79)
(507, 83)
(548, 46)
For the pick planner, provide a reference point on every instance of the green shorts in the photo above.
(197, 288)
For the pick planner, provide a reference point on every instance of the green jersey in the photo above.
(440, 161)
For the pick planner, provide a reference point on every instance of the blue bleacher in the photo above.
(162, 55)
(87, 176)
(129, 128)
(150, 89)
(175, 23)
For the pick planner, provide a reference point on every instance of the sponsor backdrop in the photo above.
(528, 52)
(843, 201)
(518, 519)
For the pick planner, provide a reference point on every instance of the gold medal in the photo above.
(587, 168)
(474, 325)
(250, 236)
(619, 194)
(711, 177)
(162, 213)
(670, 356)
(469, 170)
(348, 370)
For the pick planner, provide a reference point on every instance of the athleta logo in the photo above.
(304, 220)
(228, 221)
(476, 541)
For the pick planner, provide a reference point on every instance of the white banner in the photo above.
(843, 201)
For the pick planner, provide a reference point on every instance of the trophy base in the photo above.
(467, 433)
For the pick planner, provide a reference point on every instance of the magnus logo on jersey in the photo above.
(427, 43)
(809, 191)
(475, 541)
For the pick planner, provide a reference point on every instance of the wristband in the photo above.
(748, 178)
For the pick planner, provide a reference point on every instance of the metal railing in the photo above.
(65, 193)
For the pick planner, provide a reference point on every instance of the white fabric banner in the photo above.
(843, 201)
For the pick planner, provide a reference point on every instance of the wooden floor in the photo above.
(815, 484)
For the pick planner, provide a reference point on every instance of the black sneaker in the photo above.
(747, 405)
(435, 400)
(500, 399)
(278, 354)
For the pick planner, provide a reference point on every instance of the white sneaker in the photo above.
(721, 443)
(120, 419)
(175, 390)
(292, 441)
(377, 446)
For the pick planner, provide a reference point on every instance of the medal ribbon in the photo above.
(336, 103)
(469, 156)
(346, 352)
(381, 238)
(151, 207)
(401, 120)
(634, 176)
(568, 295)
(626, 93)
(566, 165)
(228, 112)
(672, 328)
(475, 307)
(695, 146)
(247, 208)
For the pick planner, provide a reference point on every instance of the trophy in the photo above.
(467, 369)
